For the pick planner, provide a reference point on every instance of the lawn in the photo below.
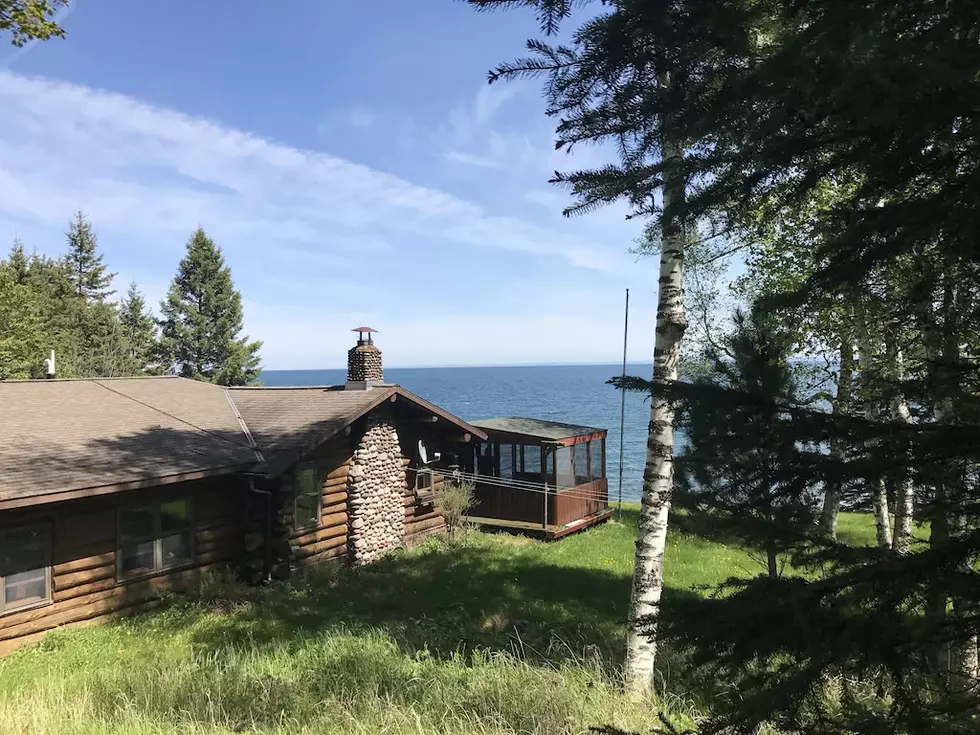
(495, 634)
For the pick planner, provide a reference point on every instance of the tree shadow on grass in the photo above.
(441, 599)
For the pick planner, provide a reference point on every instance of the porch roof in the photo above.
(537, 428)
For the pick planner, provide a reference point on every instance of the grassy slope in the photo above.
(498, 635)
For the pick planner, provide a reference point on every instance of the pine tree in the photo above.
(202, 320)
(139, 329)
(745, 446)
(89, 274)
(24, 338)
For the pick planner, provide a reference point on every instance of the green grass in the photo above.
(496, 634)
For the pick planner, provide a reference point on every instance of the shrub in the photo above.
(455, 499)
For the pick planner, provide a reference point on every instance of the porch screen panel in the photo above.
(565, 470)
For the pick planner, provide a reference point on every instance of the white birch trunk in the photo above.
(879, 492)
(658, 475)
(841, 406)
(905, 492)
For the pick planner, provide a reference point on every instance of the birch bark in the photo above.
(879, 492)
(658, 475)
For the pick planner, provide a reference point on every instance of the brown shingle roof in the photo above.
(287, 422)
(61, 435)
(70, 436)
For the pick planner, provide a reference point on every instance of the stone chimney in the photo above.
(364, 361)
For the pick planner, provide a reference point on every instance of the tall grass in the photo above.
(491, 635)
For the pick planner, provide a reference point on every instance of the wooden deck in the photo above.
(550, 532)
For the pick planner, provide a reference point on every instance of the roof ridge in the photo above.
(336, 387)
(13, 381)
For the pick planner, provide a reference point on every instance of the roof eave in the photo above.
(118, 487)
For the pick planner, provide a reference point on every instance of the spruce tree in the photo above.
(139, 329)
(740, 469)
(24, 337)
(202, 320)
(89, 275)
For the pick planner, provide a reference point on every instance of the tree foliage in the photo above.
(64, 304)
(839, 144)
(27, 20)
(89, 275)
(202, 320)
(139, 329)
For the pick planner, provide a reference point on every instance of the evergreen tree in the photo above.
(745, 447)
(18, 261)
(139, 329)
(89, 274)
(24, 339)
(202, 320)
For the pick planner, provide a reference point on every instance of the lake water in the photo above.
(575, 394)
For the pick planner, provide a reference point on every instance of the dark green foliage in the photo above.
(202, 320)
(62, 304)
(747, 443)
(139, 329)
(779, 101)
(88, 274)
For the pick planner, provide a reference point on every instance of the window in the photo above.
(566, 470)
(25, 567)
(154, 537)
(307, 498)
(507, 460)
(597, 459)
(580, 459)
(531, 459)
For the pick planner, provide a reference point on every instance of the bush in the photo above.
(455, 499)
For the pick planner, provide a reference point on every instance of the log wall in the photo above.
(329, 539)
(84, 584)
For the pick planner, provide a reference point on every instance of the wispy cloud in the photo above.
(303, 230)
(361, 119)
(66, 146)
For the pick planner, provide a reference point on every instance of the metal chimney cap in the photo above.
(363, 329)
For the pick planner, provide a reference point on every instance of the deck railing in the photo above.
(518, 502)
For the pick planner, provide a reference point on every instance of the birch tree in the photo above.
(658, 473)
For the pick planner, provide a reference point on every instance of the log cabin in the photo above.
(116, 491)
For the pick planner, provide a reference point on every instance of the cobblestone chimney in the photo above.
(364, 361)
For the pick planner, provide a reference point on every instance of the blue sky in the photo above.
(349, 158)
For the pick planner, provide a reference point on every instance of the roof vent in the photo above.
(49, 371)
(364, 368)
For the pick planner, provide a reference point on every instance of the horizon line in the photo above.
(464, 365)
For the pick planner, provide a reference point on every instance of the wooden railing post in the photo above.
(545, 525)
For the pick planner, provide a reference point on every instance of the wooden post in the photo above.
(545, 524)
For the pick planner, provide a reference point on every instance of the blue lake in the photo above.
(575, 394)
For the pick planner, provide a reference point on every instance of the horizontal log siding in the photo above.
(328, 540)
(83, 571)
(422, 520)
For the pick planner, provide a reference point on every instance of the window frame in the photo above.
(157, 539)
(48, 574)
(318, 484)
